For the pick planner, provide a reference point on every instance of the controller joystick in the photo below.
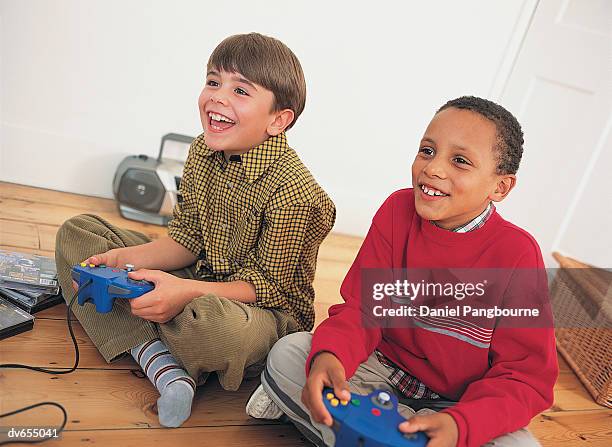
(107, 284)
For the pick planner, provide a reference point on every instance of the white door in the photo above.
(560, 89)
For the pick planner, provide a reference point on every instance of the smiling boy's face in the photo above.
(454, 173)
(237, 114)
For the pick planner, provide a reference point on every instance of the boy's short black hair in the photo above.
(509, 147)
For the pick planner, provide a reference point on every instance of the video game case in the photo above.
(33, 297)
(28, 272)
(31, 303)
(13, 320)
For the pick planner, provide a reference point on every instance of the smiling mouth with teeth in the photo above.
(219, 122)
(432, 192)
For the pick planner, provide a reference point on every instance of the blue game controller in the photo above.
(369, 421)
(107, 284)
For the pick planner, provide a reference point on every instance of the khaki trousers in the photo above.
(211, 334)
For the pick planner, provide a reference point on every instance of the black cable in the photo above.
(74, 342)
(49, 371)
(33, 441)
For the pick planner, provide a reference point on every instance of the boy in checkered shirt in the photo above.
(241, 249)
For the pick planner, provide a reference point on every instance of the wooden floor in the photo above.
(111, 405)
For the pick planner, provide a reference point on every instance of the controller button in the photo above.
(356, 402)
(102, 266)
(375, 411)
(344, 402)
(83, 264)
(334, 402)
(115, 271)
(92, 265)
(329, 396)
(410, 436)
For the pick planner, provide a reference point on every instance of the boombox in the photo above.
(146, 188)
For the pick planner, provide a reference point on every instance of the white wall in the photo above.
(85, 83)
(560, 89)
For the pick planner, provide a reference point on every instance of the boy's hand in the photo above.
(440, 427)
(111, 258)
(167, 300)
(327, 371)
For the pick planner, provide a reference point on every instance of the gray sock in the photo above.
(175, 387)
(174, 404)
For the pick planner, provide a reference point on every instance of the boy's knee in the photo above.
(66, 228)
(289, 350)
(72, 226)
(519, 438)
(66, 231)
(80, 220)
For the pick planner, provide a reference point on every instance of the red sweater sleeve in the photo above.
(517, 386)
(343, 333)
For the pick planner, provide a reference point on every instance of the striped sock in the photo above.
(175, 387)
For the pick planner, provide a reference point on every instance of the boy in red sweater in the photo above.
(496, 378)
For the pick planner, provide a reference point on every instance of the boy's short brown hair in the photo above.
(265, 61)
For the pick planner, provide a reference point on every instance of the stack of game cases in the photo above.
(27, 283)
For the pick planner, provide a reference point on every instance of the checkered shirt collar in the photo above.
(256, 160)
(476, 222)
